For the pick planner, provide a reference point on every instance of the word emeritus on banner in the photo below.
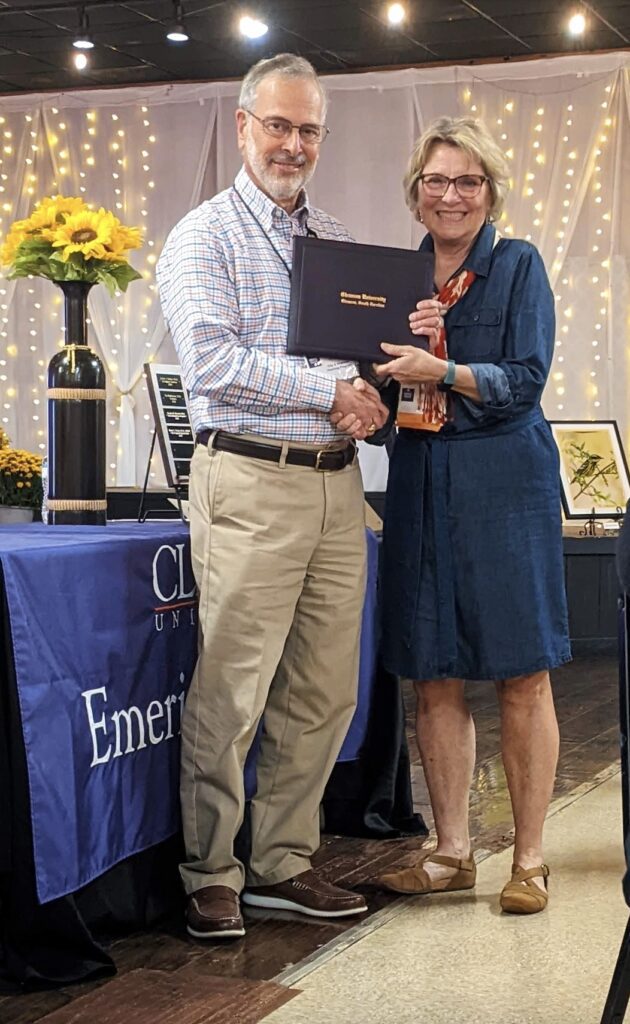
(155, 723)
(104, 631)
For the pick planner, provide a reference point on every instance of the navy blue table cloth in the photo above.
(103, 628)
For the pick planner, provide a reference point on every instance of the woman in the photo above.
(473, 577)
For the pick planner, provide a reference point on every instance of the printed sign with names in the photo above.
(169, 403)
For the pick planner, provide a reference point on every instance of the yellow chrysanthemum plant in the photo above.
(64, 239)
(20, 478)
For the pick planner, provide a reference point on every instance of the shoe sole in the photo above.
(426, 892)
(277, 903)
(516, 907)
(233, 933)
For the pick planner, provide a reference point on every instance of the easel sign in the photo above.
(173, 428)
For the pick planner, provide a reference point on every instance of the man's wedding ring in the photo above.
(371, 428)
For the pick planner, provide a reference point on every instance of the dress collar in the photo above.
(479, 258)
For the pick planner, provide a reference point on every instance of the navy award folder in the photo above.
(346, 298)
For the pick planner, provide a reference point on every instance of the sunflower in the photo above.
(50, 212)
(123, 239)
(126, 238)
(66, 239)
(8, 250)
(86, 232)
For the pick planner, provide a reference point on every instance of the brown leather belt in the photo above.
(325, 459)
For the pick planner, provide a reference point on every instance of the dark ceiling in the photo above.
(336, 35)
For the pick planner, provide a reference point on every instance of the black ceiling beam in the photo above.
(48, 8)
(600, 17)
(400, 32)
(136, 59)
(188, 14)
(497, 24)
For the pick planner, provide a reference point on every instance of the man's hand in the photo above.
(357, 410)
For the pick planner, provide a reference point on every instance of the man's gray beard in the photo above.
(277, 188)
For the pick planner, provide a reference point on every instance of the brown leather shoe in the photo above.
(307, 894)
(214, 913)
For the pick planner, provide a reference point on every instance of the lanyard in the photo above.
(309, 231)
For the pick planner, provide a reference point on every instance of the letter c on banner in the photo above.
(156, 584)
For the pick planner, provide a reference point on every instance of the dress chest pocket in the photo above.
(476, 334)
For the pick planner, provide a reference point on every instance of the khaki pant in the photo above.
(279, 558)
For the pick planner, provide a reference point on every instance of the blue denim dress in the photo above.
(473, 582)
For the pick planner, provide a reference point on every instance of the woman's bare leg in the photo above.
(529, 742)
(446, 740)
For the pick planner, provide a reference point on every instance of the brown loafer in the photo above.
(308, 894)
(415, 881)
(214, 913)
(523, 896)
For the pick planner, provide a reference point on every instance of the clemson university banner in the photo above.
(104, 626)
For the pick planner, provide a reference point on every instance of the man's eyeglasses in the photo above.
(466, 185)
(280, 128)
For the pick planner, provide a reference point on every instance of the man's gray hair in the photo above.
(289, 65)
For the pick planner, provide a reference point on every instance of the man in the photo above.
(276, 515)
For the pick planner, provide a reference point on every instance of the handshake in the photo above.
(357, 410)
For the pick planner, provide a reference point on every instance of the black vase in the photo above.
(77, 493)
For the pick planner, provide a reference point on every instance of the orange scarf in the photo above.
(422, 406)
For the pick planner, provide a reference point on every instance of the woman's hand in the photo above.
(428, 319)
(410, 365)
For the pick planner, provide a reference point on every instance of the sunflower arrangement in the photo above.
(66, 240)
(20, 478)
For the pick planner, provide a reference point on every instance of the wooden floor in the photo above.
(166, 978)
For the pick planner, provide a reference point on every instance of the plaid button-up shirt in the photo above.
(225, 295)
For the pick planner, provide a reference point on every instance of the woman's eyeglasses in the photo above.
(466, 185)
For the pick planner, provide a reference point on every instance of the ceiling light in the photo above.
(80, 61)
(177, 32)
(83, 40)
(252, 27)
(577, 24)
(396, 14)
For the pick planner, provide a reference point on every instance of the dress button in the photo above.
(476, 317)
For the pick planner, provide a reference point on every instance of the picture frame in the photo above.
(593, 468)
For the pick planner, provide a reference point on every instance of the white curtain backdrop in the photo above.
(153, 153)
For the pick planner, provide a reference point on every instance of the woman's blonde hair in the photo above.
(473, 138)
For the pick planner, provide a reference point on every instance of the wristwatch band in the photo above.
(449, 377)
